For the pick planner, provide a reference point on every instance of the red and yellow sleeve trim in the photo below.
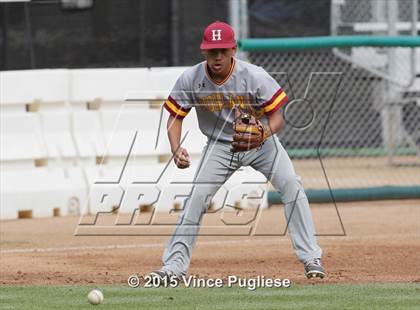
(175, 109)
(276, 102)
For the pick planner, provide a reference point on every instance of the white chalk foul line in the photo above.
(111, 247)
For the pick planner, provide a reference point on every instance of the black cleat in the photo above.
(163, 278)
(314, 269)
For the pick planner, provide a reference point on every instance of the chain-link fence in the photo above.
(373, 16)
(353, 118)
(364, 128)
(352, 97)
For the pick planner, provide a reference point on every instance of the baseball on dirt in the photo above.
(95, 297)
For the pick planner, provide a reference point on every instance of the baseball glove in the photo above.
(249, 132)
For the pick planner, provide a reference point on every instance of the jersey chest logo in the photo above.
(216, 35)
(217, 101)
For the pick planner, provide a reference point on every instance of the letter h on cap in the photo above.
(216, 34)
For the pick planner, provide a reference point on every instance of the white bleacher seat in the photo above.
(164, 78)
(49, 85)
(108, 84)
(145, 179)
(155, 83)
(21, 137)
(88, 133)
(56, 128)
(130, 117)
(120, 128)
(61, 127)
(40, 190)
(42, 134)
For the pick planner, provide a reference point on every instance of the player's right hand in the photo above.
(182, 158)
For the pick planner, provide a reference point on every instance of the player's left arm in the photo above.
(272, 97)
(275, 123)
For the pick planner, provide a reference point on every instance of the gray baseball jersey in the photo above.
(247, 86)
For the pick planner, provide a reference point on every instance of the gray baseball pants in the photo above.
(216, 165)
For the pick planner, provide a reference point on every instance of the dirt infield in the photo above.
(381, 245)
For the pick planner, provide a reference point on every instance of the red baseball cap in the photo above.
(218, 35)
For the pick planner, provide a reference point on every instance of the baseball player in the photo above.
(237, 106)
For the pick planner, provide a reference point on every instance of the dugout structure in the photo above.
(353, 114)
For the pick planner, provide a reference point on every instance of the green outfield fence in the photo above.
(277, 44)
(363, 92)
(354, 194)
(359, 152)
